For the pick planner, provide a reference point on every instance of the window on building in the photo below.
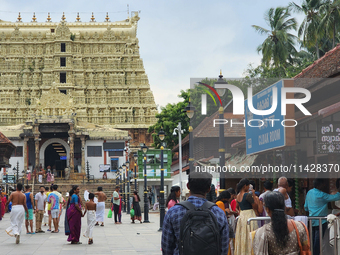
(114, 164)
(63, 91)
(17, 152)
(62, 61)
(52, 30)
(94, 151)
(62, 77)
(63, 47)
(115, 153)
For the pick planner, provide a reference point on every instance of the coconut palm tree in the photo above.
(309, 28)
(278, 47)
(330, 19)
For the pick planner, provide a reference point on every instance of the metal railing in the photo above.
(335, 248)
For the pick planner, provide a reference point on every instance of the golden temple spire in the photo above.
(78, 18)
(92, 18)
(19, 18)
(34, 19)
(49, 18)
(107, 19)
(63, 17)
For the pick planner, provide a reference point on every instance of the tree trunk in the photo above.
(317, 51)
(334, 35)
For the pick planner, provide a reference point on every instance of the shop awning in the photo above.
(329, 110)
(241, 159)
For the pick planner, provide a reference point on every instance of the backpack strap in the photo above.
(208, 205)
(190, 206)
(187, 205)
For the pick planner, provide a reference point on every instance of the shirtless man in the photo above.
(284, 189)
(90, 208)
(17, 215)
(100, 206)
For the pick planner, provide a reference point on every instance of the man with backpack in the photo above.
(196, 226)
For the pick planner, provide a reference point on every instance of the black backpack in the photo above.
(199, 231)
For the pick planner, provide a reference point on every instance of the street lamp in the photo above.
(146, 205)
(161, 135)
(180, 132)
(124, 181)
(190, 111)
(119, 178)
(128, 187)
(221, 91)
(135, 157)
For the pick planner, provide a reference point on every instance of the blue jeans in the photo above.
(316, 235)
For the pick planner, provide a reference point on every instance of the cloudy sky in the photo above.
(179, 39)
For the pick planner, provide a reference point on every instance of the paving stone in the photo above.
(111, 239)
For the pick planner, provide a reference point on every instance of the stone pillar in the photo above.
(37, 145)
(25, 153)
(71, 153)
(82, 138)
(71, 139)
(36, 140)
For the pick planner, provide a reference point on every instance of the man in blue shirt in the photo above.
(317, 205)
(199, 185)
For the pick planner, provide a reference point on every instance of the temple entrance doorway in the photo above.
(55, 152)
(56, 158)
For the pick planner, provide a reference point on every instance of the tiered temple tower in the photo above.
(96, 63)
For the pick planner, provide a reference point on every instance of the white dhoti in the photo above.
(91, 221)
(17, 218)
(45, 218)
(100, 212)
(40, 178)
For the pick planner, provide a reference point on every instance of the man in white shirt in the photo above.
(40, 204)
(284, 189)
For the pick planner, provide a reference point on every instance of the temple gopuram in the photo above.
(72, 92)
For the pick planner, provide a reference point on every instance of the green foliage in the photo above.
(278, 48)
(263, 71)
(168, 118)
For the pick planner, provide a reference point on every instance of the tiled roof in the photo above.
(4, 139)
(324, 67)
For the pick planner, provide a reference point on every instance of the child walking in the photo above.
(90, 208)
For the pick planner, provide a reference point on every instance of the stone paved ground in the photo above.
(125, 238)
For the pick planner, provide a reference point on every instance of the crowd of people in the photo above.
(201, 224)
(284, 233)
(48, 204)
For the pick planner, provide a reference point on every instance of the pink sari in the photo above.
(3, 206)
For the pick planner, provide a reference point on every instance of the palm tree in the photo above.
(278, 47)
(330, 19)
(309, 28)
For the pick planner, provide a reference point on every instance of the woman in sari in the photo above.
(2, 204)
(246, 205)
(74, 215)
(279, 236)
(136, 208)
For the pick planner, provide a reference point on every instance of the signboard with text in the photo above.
(266, 132)
(10, 179)
(328, 137)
